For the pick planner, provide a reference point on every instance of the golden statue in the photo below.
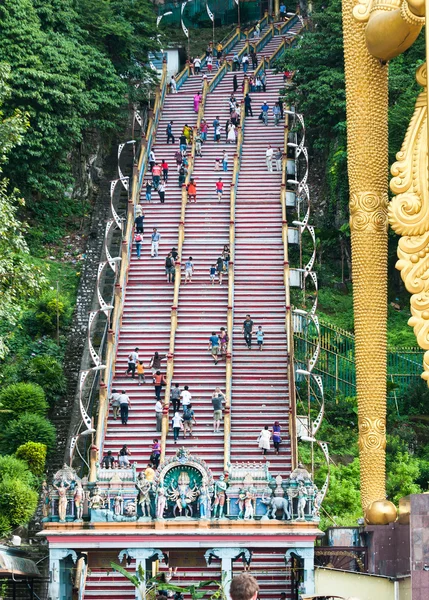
(374, 32)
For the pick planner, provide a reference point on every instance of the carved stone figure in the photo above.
(118, 504)
(96, 501)
(204, 502)
(160, 503)
(220, 497)
(144, 495)
(240, 501)
(317, 504)
(62, 500)
(130, 509)
(78, 501)
(183, 495)
(46, 499)
(302, 503)
(248, 505)
(276, 503)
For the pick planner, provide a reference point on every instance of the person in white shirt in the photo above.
(158, 414)
(177, 425)
(132, 361)
(125, 404)
(186, 396)
(269, 157)
(197, 65)
(173, 85)
(152, 160)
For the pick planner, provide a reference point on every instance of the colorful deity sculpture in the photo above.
(220, 488)
(183, 495)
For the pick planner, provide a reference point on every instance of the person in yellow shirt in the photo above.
(140, 372)
(149, 473)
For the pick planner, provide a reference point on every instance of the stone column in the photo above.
(141, 556)
(307, 554)
(56, 572)
(227, 555)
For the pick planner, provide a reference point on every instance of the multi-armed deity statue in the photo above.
(374, 32)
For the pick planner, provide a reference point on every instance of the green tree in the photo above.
(28, 428)
(12, 467)
(18, 501)
(23, 397)
(49, 372)
(34, 455)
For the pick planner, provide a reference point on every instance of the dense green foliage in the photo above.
(22, 397)
(49, 371)
(34, 454)
(28, 428)
(18, 501)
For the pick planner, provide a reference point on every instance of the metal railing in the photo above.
(336, 363)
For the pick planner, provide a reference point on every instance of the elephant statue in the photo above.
(276, 503)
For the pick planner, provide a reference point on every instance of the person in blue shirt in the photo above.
(155, 242)
(216, 124)
(264, 112)
(282, 12)
(260, 337)
(189, 270)
(214, 346)
(212, 274)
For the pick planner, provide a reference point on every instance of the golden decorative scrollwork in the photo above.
(368, 211)
(409, 216)
(372, 433)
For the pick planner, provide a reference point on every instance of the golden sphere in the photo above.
(380, 512)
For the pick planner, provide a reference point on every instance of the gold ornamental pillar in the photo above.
(367, 146)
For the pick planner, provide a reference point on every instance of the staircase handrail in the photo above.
(286, 42)
(268, 35)
(230, 317)
(217, 78)
(177, 280)
(288, 313)
(126, 249)
(262, 22)
(288, 24)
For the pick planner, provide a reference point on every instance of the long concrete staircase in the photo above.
(260, 392)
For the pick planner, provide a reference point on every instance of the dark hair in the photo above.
(123, 392)
(186, 387)
(155, 441)
(213, 332)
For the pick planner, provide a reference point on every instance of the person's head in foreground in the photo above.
(244, 587)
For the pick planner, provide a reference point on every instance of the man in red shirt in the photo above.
(219, 188)
(156, 175)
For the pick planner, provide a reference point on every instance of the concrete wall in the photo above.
(359, 586)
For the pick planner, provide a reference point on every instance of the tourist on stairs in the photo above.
(217, 398)
(278, 158)
(269, 158)
(247, 330)
(188, 420)
(108, 460)
(260, 337)
(123, 455)
(155, 362)
(219, 189)
(149, 473)
(158, 380)
(125, 405)
(175, 397)
(277, 440)
(264, 439)
(191, 188)
(177, 425)
(264, 113)
(223, 339)
(148, 190)
(132, 360)
(254, 58)
(140, 372)
(186, 397)
(156, 175)
(173, 85)
(197, 100)
(158, 411)
(189, 270)
(248, 106)
(225, 161)
(183, 143)
(216, 124)
(155, 242)
(169, 131)
(138, 242)
(115, 404)
(156, 453)
(161, 191)
(214, 346)
(170, 268)
(212, 274)
(220, 268)
(209, 63)
(139, 223)
(235, 84)
(152, 159)
(204, 129)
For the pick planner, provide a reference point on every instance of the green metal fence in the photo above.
(336, 364)
(195, 13)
